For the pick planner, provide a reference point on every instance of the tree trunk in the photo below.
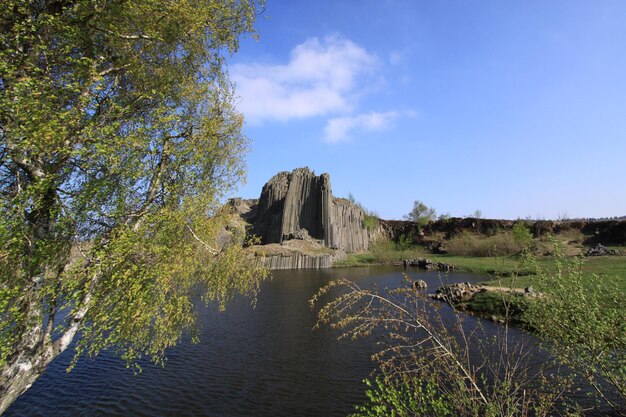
(28, 363)
(35, 352)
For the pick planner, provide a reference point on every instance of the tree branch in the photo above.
(209, 248)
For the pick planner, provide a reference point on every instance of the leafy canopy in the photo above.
(421, 213)
(118, 139)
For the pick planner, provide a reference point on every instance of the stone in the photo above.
(420, 284)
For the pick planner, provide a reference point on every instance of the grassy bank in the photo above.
(505, 271)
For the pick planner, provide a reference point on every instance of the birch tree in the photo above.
(118, 140)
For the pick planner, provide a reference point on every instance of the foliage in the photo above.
(522, 235)
(421, 214)
(404, 242)
(470, 374)
(405, 397)
(467, 244)
(583, 322)
(501, 304)
(580, 317)
(370, 218)
(370, 221)
(118, 139)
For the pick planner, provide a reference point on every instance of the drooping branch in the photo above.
(206, 245)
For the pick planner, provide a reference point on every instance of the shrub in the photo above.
(583, 323)
(402, 397)
(521, 234)
(404, 242)
(370, 221)
(467, 244)
(429, 364)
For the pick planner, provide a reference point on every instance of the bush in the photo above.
(467, 244)
(404, 397)
(521, 234)
(404, 243)
(370, 221)
(429, 363)
(583, 323)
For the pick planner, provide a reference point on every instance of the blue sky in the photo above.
(517, 109)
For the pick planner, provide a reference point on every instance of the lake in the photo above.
(263, 361)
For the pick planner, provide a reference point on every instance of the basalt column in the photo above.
(299, 205)
(303, 206)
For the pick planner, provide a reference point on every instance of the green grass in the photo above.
(505, 271)
(488, 265)
(357, 259)
(607, 267)
(496, 304)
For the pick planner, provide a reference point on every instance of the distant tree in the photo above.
(118, 138)
(444, 216)
(477, 214)
(421, 213)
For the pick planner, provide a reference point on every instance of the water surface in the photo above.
(266, 361)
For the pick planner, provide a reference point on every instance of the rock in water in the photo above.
(297, 200)
(420, 284)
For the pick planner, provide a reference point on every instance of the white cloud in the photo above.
(321, 78)
(340, 128)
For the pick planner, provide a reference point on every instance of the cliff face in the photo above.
(345, 228)
(300, 205)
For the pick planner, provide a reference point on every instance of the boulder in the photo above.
(420, 284)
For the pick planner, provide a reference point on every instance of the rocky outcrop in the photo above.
(607, 232)
(345, 227)
(299, 203)
(297, 260)
(457, 293)
(601, 250)
(427, 264)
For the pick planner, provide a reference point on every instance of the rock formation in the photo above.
(427, 264)
(300, 205)
(297, 260)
